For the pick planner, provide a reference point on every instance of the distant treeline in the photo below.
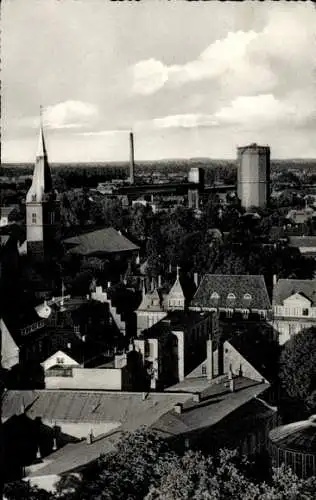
(73, 175)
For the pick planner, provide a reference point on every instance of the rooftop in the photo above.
(302, 241)
(297, 436)
(131, 411)
(174, 320)
(285, 288)
(232, 291)
(106, 241)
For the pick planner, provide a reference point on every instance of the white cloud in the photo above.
(250, 62)
(69, 114)
(262, 109)
(258, 112)
(149, 76)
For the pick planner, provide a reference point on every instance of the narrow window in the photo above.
(33, 218)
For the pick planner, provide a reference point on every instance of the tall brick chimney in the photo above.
(131, 158)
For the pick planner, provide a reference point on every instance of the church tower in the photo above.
(40, 203)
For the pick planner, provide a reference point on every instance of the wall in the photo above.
(82, 429)
(9, 349)
(88, 378)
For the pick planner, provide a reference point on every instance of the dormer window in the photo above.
(231, 296)
(247, 296)
(214, 296)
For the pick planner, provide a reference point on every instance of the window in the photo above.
(305, 312)
(77, 328)
(204, 370)
(215, 296)
(33, 197)
(247, 296)
(60, 361)
(231, 296)
(33, 218)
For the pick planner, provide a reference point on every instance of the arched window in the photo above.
(231, 296)
(215, 296)
(247, 296)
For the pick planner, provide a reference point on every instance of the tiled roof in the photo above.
(232, 291)
(106, 240)
(284, 288)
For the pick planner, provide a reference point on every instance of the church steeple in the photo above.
(41, 148)
(40, 201)
(42, 180)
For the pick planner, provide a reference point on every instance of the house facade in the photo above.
(294, 307)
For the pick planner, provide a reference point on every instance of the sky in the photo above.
(191, 79)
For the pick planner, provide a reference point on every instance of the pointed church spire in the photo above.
(41, 149)
(42, 180)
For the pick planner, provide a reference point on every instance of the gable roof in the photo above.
(239, 286)
(106, 240)
(285, 288)
(151, 301)
(176, 292)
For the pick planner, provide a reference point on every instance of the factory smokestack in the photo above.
(131, 158)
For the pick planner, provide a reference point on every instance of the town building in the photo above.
(253, 175)
(243, 297)
(305, 244)
(107, 243)
(294, 446)
(40, 205)
(9, 215)
(294, 307)
(172, 347)
(227, 410)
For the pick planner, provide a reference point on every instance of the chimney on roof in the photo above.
(144, 396)
(38, 453)
(159, 281)
(275, 279)
(22, 406)
(109, 284)
(196, 279)
(197, 397)
(209, 360)
(232, 386)
(54, 444)
(90, 437)
(178, 408)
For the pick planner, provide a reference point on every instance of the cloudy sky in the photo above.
(191, 79)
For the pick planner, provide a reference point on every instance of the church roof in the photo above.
(176, 292)
(106, 240)
(285, 288)
(42, 180)
(232, 291)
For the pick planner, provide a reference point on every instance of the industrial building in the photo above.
(253, 175)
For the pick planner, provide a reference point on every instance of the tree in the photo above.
(298, 371)
(144, 467)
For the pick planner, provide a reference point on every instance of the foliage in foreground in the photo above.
(144, 467)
